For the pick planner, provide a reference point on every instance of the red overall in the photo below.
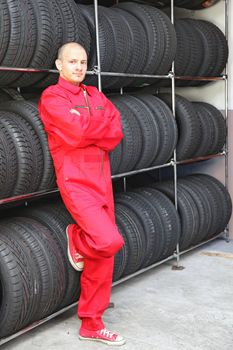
(79, 145)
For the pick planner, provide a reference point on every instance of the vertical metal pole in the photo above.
(226, 108)
(174, 154)
(124, 184)
(97, 44)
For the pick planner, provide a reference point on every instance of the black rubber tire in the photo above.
(203, 220)
(8, 164)
(47, 40)
(150, 18)
(219, 125)
(169, 217)
(20, 282)
(167, 127)
(139, 46)
(186, 209)
(19, 231)
(150, 222)
(4, 28)
(208, 132)
(149, 130)
(188, 123)
(121, 46)
(135, 238)
(21, 35)
(223, 199)
(132, 141)
(115, 158)
(216, 211)
(71, 27)
(29, 160)
(29, 111)
(54, 261)
(122, 257)
(55, 218)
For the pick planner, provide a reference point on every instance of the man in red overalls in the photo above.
(82, 127)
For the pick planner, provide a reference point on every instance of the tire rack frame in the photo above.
(173, 162)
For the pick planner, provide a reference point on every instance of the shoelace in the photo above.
(106, 333)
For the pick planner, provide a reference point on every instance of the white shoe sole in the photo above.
(77, 268)
(112, 343)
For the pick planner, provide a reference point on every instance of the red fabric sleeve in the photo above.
(114, 134)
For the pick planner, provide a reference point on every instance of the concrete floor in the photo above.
(162, 309)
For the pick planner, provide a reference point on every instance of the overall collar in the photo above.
(71, 87)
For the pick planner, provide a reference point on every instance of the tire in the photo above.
(20, 283)
(188, 123)
(29, 161)
(150, 18)
(55, 218)
(132, 141)
(115, 158)
(149, 130)
(187, 212)
(150, 222)
(216, 211)
(29, 111)
(47, 40)
(167, 127)
(4, 28)
(54, 261)
(135, 240)
(71, 27)
(19, 231)
(21, 35)
(223, 199)
(122, 257)
(219, 125)
(169, 217)
(8, 164)
(138, 48)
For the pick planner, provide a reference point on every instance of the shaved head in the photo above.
(72, 62)
(66, 47)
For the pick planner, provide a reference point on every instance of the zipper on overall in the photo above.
(101, 151)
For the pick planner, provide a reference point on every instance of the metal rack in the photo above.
(173, 162)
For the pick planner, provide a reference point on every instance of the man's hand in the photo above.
(74, 111)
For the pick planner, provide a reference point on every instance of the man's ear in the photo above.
(58, 64)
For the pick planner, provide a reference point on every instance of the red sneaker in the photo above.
(102, 335)
(76, 260)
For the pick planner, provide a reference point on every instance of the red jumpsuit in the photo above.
(79, 145)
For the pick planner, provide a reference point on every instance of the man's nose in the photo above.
(78, 66)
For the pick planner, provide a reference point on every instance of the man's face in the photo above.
(73, 64)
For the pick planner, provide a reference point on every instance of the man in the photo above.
(82, 127)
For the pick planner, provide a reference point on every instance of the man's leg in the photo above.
(97, 239)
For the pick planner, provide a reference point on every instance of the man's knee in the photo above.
(112, 246)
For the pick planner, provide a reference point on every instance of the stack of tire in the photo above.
(202, 50)
(150, 133)
(36, 277)
(201, 128)
(133, 38)
(204, 207)
(31, 33)
(26, 164)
